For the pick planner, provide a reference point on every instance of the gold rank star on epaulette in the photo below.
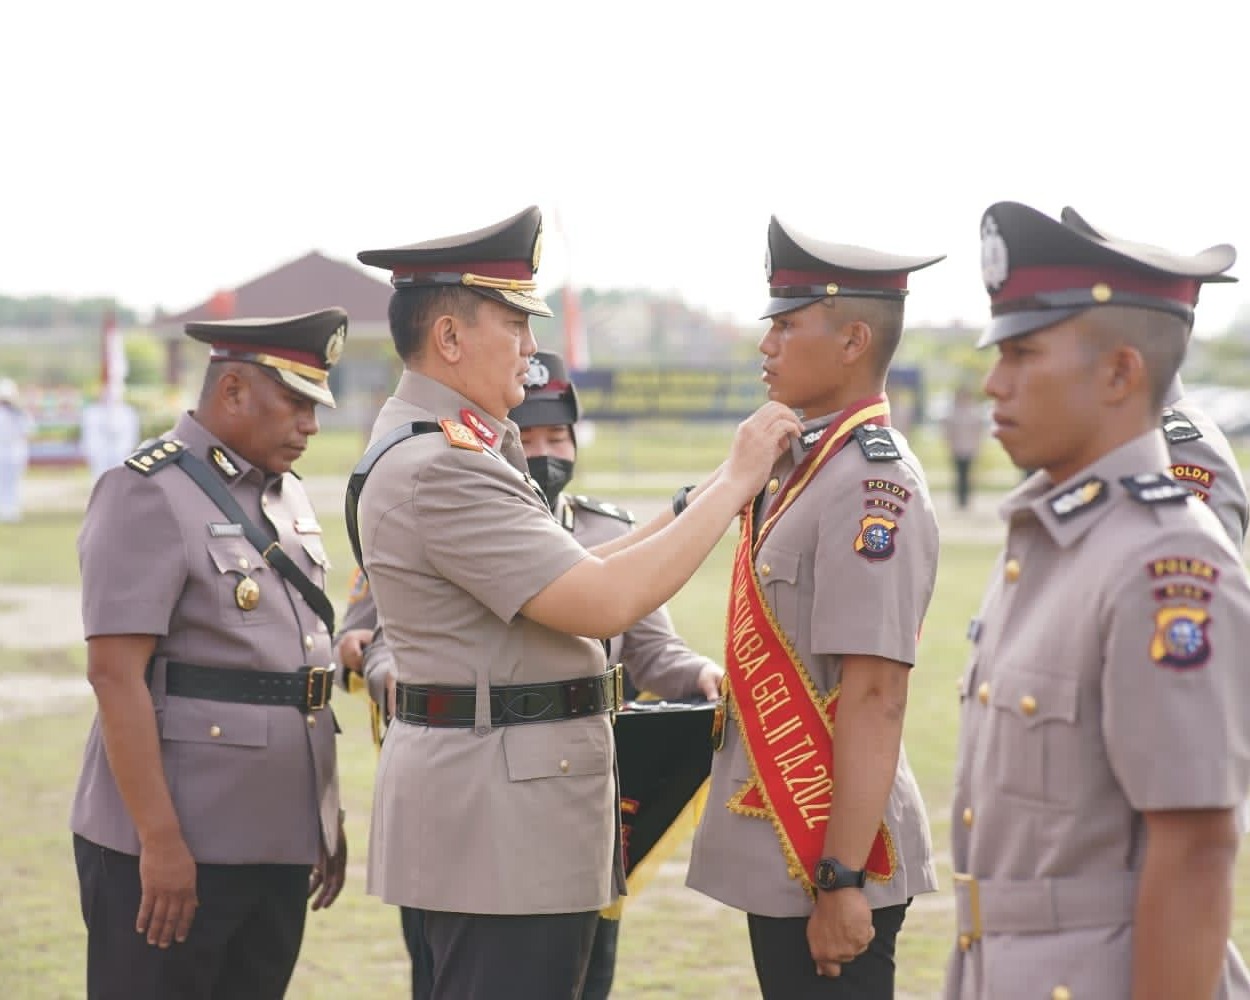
(152, 457)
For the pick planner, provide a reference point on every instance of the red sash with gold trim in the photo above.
(785, 723)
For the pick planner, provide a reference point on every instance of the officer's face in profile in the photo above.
(273, 421)
(495, 350)
(803, 360)
(1046, 403)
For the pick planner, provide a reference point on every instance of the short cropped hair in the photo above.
(412, 310)
(1160, 338)
(884, 316)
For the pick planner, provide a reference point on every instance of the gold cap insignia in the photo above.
(334, 348)
(538, 248)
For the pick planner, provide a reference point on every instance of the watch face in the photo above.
(830, 874)
(826, 875)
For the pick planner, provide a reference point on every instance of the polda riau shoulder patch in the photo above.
(1178, 428)
(877, 443)
(155, 456)
(604, 508)
(1155, 487)
(1180, 640)
(460, 436)
(875, 540)
(1080, 497)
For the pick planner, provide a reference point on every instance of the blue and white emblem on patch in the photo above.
(876, 537)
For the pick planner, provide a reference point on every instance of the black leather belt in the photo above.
(510, 704)
(307, 688)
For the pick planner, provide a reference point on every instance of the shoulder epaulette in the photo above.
(1155, 487)
(155, 456)
(602, 507)
(1178, 428)
(460, 436)
(877, 443)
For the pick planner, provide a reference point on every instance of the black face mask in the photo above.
(552, 475)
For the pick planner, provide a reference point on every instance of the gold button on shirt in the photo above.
(1011, 570)
(983, 693)
(1028, 704)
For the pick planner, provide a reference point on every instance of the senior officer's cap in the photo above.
(550, 398)
(1039, 271)
(802, 270)
(498, 261)
(300, 350)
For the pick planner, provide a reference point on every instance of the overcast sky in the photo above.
(158, 151)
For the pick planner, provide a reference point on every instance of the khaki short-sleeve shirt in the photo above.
(849, 568)
(1106, 679)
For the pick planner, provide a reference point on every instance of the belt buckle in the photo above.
(967, 939)
(618, 690)
(317, 696)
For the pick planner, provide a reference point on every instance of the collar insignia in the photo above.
(220, 459)
(1080, 497)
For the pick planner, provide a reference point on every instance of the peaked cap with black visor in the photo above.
(1039, 271)
(497, 262)
(299, 350)
(802, 270)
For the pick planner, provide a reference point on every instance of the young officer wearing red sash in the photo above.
(818, 830)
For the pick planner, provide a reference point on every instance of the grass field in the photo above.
(674, 944)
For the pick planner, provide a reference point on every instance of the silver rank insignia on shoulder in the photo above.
(220, 459)
(1178, 428)
(1155, 487)
(155, 455)
(877, 443)
(1080, 497)
(601, 507)
(227, 530)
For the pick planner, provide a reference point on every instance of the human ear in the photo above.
(445, 336)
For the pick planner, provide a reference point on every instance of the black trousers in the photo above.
(243, 942)
(480, 957)
(784, 966)
(602, 966)
(418, 952)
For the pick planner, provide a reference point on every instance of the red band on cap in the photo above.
(868, 280)
(1027, 282)
(518, 270)
(301, 357)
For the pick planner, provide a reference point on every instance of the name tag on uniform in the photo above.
(307, 526)
(226, 530)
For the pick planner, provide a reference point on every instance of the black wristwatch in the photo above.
(832, 874)
(679, 499)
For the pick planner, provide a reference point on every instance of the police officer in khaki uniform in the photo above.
(655, 658)
(833, 574)
(495, 809)
(207, 811)
(1092, 824)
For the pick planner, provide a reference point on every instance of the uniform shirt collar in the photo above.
(201, 442)
(445, 402)
(1036, 496)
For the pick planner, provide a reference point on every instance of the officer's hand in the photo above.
(709, 681)
(757, 443)
(167, 882)
(328, 874)
(351, 648)
(839, 929)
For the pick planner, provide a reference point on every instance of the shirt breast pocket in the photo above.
(1034, 735)
(780, 580)
(248, 591)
